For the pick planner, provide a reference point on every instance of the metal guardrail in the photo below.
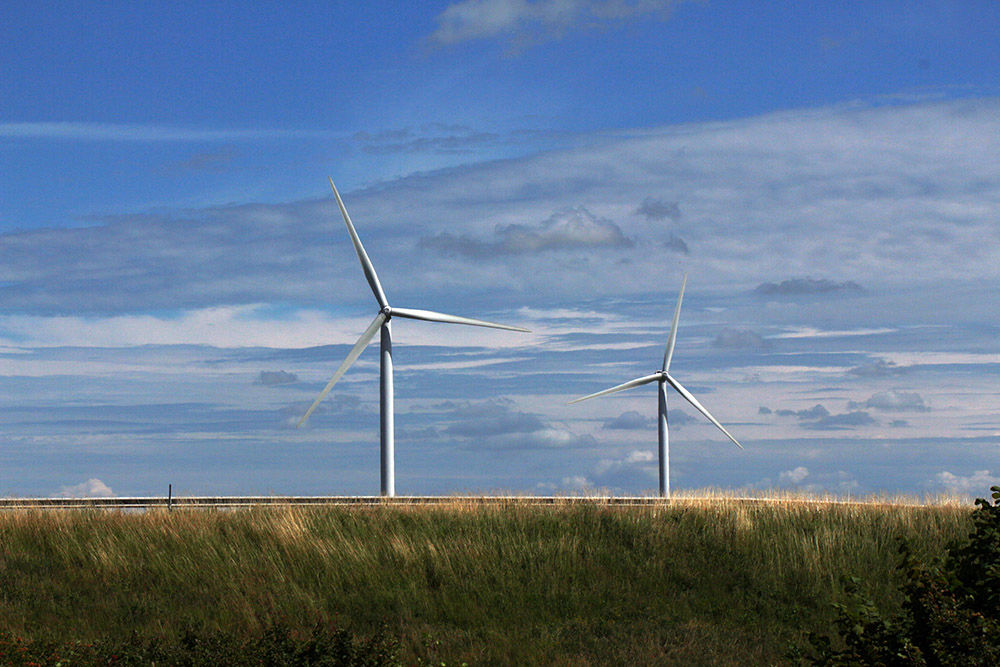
(148, 502)
(145, 502)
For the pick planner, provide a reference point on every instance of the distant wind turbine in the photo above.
(381, 323)
(663, 378)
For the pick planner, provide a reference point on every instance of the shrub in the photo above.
(950, 613)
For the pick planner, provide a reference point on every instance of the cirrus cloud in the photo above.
(523, 22)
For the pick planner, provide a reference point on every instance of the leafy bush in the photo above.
(276, 646)
(950, 613)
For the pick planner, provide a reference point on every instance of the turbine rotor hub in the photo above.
(387, 311)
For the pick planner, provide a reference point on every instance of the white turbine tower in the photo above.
(381, 322)
(663, 378)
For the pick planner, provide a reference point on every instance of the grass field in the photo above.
(696, 582)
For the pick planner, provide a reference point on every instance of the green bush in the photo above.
(950, 613)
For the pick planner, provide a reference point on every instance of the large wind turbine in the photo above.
(663, 378)
(381, 323)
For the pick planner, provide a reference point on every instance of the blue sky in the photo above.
(176, 283)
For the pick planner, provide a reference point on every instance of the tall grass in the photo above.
(700, 582)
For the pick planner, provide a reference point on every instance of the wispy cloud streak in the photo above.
(104, 132)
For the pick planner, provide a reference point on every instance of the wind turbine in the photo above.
(663, 378)
(381, 323)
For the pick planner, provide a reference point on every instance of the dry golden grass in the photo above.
(710, 577)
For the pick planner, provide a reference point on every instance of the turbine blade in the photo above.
(701, 408)
(366, 263)
(622, 387)
(431, 316)
(352, 356)
(673, 328)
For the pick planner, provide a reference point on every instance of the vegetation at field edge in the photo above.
(950, 615)
(721, 582)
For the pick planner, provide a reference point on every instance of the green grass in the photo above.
(720, 582)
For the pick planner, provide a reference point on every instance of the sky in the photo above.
(176, 284)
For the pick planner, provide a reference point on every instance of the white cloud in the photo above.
(811, 332)
(525, 21)
(577, 483)
(233, 327)
(786, 194)
(763, 199)
(795, 476)
(92, 488)
(978, 483)
(893, 400)
(908, 358)
(640, 456)
(636, 458)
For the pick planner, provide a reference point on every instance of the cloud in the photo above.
(807, 286)
(545, 438)
(741, 339)
(978, 483)
(340, 403)
(893, 401)
(577, 483)
(227, 255)
(212, 161)
(524, 22)
(818, 418)
(565, 230)
(491, 418)
(640, 456)
(628, 421)
(644, 459)
(930, 198)
(236, 327)
(429, 139)
(274, 378)
(812, 332)
(425, 433)
(676, 244)
(841, 421)
(243, 326)
(657, 209)
(681, 418)
(632, 420)
(79, 131)
(815, 412)
(877, 368)
(337, 406)
(92, 488)
(795, 476)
